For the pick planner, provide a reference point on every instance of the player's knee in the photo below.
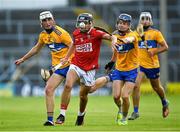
(155, 88)
(158, 88)
(92, 89)
(135, 87)
(116, 97)
(125, 99)
(68, 87)
(49, 91)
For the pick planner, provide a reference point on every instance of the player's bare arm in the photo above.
(163, 47)
(112, 38)
(31, 53)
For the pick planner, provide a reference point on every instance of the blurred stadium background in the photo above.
(19, 30)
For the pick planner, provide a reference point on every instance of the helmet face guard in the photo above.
(83, 19)
(45, 15)
(146, 16)
(125, 17)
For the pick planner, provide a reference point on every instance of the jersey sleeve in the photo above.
(66, 38)
(99, 34)
(40, 40)
(159, 37)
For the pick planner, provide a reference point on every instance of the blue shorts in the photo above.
(128, 76)
(62, 71)
(152, 73)
(110, 76)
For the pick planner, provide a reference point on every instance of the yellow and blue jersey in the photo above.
(152, 37)
(127, 53)
(58, 42)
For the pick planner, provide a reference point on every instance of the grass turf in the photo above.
(29, 114)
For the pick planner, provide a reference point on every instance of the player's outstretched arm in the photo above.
(31, 53)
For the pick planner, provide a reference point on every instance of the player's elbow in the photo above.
(34, 50)
(166, 47)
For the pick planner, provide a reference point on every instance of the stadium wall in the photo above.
(31, 4)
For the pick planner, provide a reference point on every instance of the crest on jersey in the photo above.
(57, 31)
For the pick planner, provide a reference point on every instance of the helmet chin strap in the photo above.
(146, 27)
(122, 33)
(49, 30)
(85, 31)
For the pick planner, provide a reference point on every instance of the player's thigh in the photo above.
(101, 81)
(71, 77)
(127, 89)
(54, 81)
(117, 86)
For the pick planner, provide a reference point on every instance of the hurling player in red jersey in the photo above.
(86, 49)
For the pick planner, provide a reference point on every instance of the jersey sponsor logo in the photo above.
(56, 47)
(142, 45)
(87, 47)
(124, 48)
(150, 43)
(53, 47)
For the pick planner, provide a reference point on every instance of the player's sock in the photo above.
(81, 113)
(136, 109)
(63, 112)
(164, 102)
(124, 115)
(50, 116)
(120, 109)
(63, 109)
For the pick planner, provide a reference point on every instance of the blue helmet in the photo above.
(85, 18)
(124, 17)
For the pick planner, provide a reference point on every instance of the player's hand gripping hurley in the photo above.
(45, 74)
(140, 31)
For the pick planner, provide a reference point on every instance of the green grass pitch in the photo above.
(28, 114)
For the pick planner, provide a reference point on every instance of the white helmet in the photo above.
(145, 14)
(45, 14)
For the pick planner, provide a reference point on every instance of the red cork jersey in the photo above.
(87, 48)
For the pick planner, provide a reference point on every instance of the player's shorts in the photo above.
(152, 73)
(86, 77)
(62, 71)
(128, 76)
(110, 76)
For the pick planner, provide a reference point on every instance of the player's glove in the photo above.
(109, 65)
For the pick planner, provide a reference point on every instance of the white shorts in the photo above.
(86, 77)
